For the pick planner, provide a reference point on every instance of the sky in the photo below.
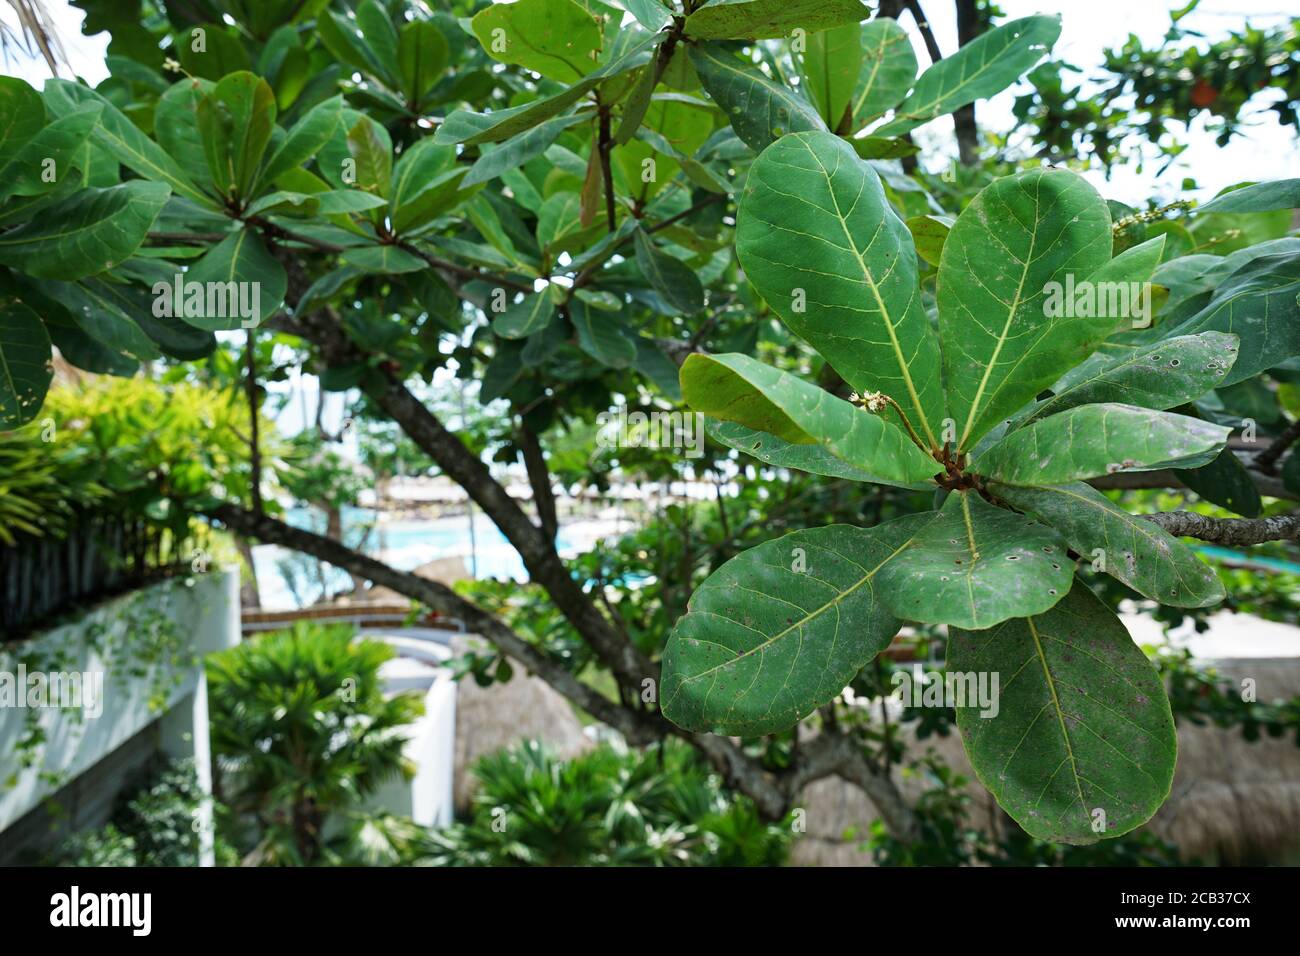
(1265, 151)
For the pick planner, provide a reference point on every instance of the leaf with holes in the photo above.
(976, 565)
(1082, 744)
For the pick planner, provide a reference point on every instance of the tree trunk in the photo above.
(970, 24)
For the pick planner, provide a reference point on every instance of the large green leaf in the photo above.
(236, 121)
(1126, 547)
(422, 56)
(176, 127)
(675, 281)
(814, 459)
(48, 158)
(820, 243)
(1170, 373)
(602, 335)
(22, 115)
(1083, 746)
(975, 565)
(556, 38)
(769, 19)
(1000, 348)
(25, 366)
(86, 233)
(122, 138)
(1092, 440)
(760, 109)
(1259, 304)
(518, 150)
(781, 629)
(740, 389)
(831, 65)
(888, 69)
(242, 259)
(988, 64)
(109, 313)
(305, 140)
(1261, 197)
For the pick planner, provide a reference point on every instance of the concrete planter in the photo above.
(143, 653)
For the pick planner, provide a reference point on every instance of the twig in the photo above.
(1266, 460)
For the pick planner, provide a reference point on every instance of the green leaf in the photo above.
(740, 389)
(1225, 482)
(518, 150)
(48, 158)
(470, 128)
(176, 127)
(888, 69)
(22, 115)
(370, 146)
(883, 147)
(25, 363)
(781, 629)
(813, 459)
(1017, 236)
(239, 258)
(770, 19)
(109, 313)
(1167, 374)
(761, 110)
(422, 57)
(1092, 440)
(388, 259)
(601, 335)
(236, 121)
(86, 233)
(930, 233)
(308, 136)
(819, 242)
(122, 138)
(988, 64)
(831, 65)
(1128, 548)
(1083, 723)
(1258, 303)
(532, 314)
(976, 565)
(556, 38)
(651, 14)
(1261, 197)
(674, 280)
(381, 38)
(426, 183)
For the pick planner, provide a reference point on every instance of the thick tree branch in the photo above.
(638, 727)
(1235, 531)
(539, 479)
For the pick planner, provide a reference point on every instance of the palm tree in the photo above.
(303, 732)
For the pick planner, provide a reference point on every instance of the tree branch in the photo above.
(539, 479)
(638, 727)
(1266, 460)
(1238, 531)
